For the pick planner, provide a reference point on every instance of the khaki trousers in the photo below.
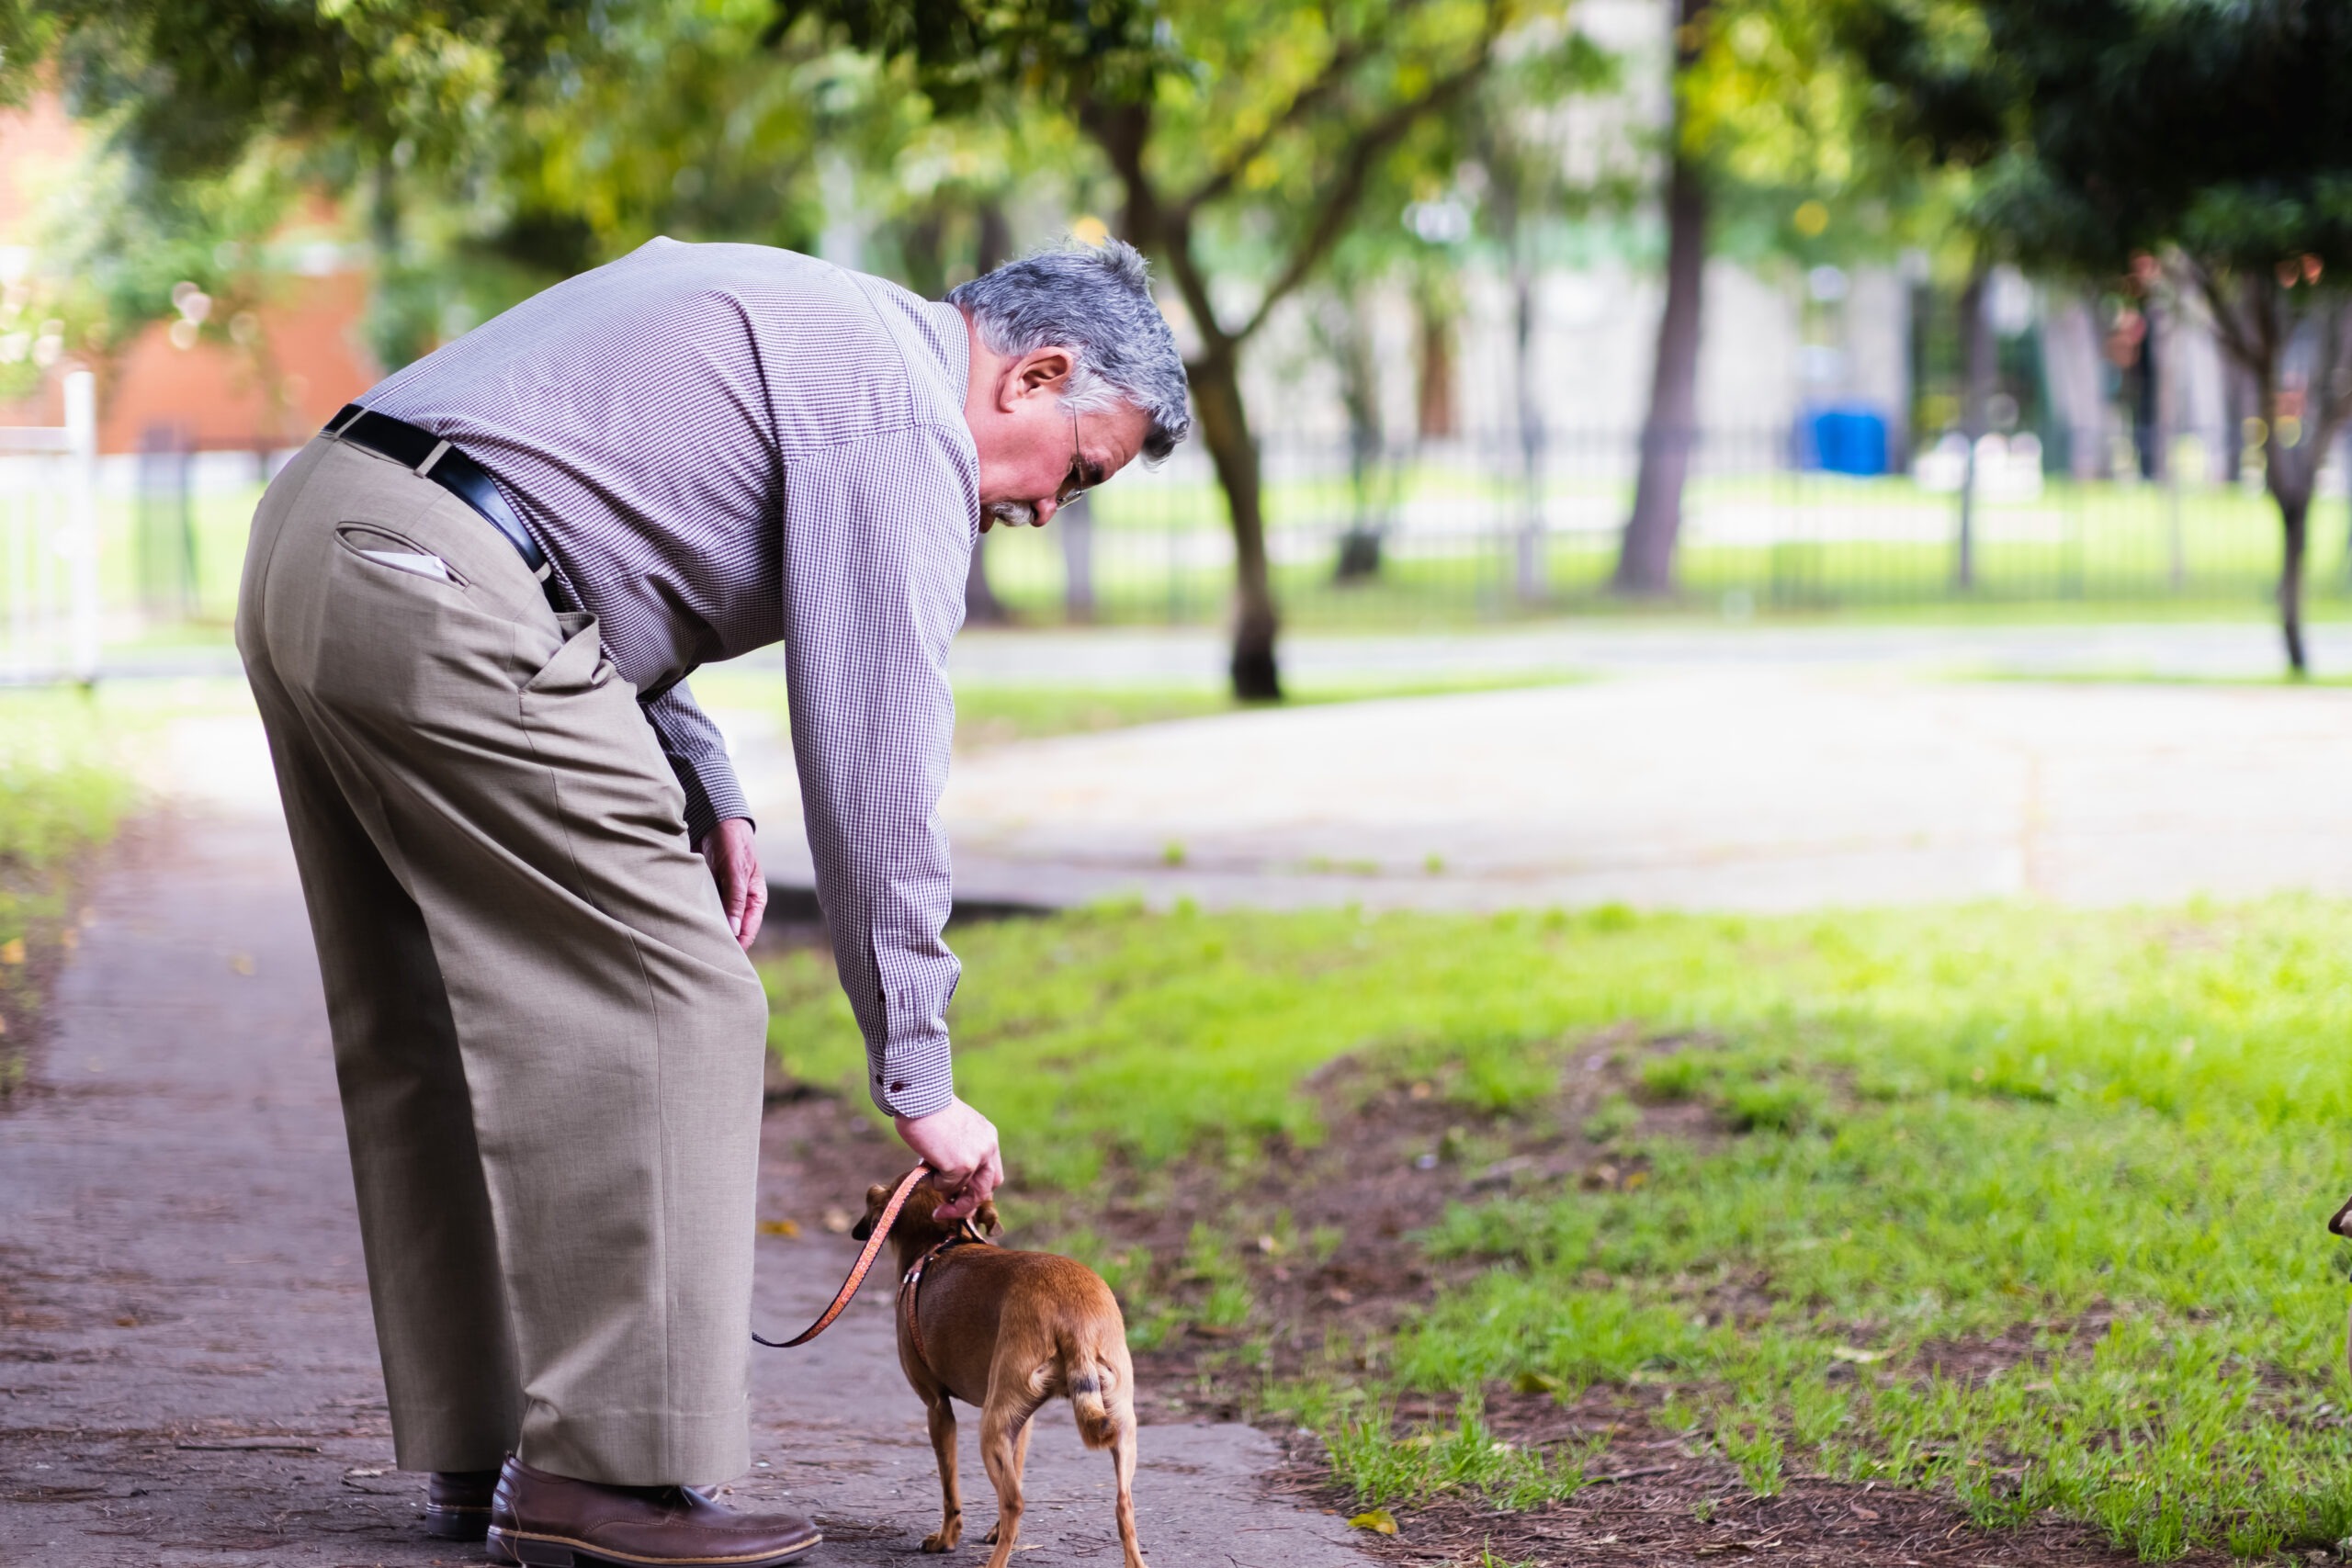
(547, 1042)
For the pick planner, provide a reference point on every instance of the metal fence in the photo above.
(1451, 533)
(50, 605)
(1470, 530)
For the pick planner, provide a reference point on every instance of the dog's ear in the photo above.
(984, 1218)
(876, 1196)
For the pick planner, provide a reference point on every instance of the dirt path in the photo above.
(187, 1375)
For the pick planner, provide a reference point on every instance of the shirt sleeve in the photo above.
(877, 537)
(697, 755)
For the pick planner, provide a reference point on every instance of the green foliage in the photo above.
(60, 796)
(58, 792)
(990, 713)
(1380, 1466)
(2087, 1153)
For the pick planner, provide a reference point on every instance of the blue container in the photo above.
(1848, 438)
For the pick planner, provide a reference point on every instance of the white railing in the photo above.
(49, 542)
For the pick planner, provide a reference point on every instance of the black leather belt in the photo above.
(436, 460)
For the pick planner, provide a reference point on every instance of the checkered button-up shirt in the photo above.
(722, 447)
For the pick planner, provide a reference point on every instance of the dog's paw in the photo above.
(942, 1540)
(990, 1539)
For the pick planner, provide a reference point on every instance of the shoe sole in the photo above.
(536, 1551)
(445, 1523)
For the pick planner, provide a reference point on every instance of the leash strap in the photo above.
(910, 1288)
(881, 1234)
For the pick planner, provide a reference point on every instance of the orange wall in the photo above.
(216, 395)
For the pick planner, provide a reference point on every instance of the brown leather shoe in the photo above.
(456, 1503)
(552, 1521)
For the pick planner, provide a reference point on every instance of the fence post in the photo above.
(82, 521)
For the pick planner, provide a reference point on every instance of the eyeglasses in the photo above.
(1082, 475)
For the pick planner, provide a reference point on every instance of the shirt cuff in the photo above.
(912, 1078)
(713, 795)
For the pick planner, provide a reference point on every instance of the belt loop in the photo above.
(357, 413)
(425, 470)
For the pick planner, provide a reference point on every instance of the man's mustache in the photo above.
(1012, 514)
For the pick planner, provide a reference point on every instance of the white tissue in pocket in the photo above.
(410, 561)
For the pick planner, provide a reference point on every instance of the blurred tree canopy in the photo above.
(2198, 149)
(1247, 139)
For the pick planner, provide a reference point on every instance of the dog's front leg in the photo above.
(951, 1500)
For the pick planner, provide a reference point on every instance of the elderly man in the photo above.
(468, 614)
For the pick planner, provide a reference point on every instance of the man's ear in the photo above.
(985, 1218)
(1039, 370)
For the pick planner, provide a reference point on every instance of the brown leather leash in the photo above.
(881, 1233)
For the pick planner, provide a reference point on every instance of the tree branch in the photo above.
(1340, 199)
(1122, 131)
(1344, 59)
(2227, 326)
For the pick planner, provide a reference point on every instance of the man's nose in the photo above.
(1045, 510)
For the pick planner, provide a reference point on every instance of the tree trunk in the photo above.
(2296, 515)
(1074, 523)
(995, 247)
(1225, 429)
(981, 606)
(1535, 576)
(1646, 560)
(1436, 420)
(1975, 392)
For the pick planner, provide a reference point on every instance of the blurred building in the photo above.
(260, 382)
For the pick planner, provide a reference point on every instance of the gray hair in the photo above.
(1095, 301)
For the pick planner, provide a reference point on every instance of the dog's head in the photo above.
(917, 1221)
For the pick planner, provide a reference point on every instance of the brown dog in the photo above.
(1006, 1331)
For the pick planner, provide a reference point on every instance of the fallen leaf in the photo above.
(1378, 1520)
(240, 963)
(1860, 1358)
(779, 1227)
(1537, 1383)
(12, 951)
(1862, 1512)
(838, 1221)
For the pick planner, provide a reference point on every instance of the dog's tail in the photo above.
(1092, 1379)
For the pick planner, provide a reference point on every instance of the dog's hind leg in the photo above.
(1004, 1449)
(1123, 1467)
(1019, 1467)
(943, 1444)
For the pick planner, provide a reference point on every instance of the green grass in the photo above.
(990, 713)
(2105, 1141)
(61, 794)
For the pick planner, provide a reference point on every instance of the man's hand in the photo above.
(734, 862)
(959, 1143)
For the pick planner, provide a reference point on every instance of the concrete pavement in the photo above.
(1698, 767)
(1767, 771)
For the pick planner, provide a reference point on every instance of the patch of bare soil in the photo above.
(1323, 1234)
(1671, 1507)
